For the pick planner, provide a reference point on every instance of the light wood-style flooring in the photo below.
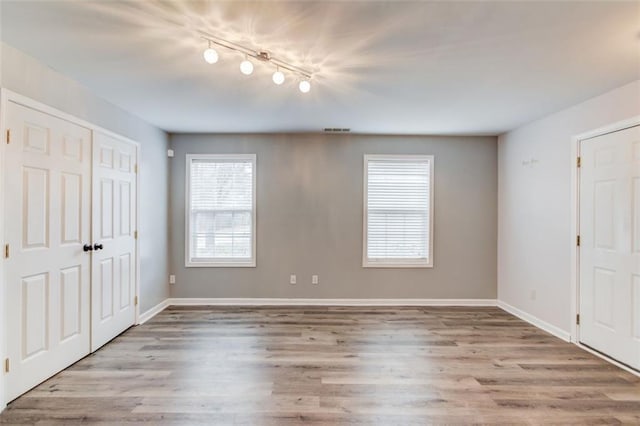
(334, 366)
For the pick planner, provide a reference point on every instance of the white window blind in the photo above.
(221, 212)
(398, 204)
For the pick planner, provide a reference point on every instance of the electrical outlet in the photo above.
(292, 279)
(172, 279)
(314, 279)
(532, 296)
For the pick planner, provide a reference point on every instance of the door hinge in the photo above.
(135, 168)
(6, 365)
(135, 301)
(6, 251)
(8, 136)
(578, 240)
(135, 235)
(579, 161)
(578, 319)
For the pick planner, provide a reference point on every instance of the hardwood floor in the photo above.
(335, 365)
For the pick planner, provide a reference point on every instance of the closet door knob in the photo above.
(97, 246)
(87, 247)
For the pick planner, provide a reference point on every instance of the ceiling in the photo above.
(387, 67)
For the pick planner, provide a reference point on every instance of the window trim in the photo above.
(396, 263)
(223, 263)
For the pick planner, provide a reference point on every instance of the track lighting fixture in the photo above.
(210, 55)
(246, 66)
(278, 77)
(304, 86)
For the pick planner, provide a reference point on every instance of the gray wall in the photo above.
(309, 218)
(26, 76)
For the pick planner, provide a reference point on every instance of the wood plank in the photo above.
(332, 366)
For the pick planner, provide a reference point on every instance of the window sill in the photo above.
(251, 264)
(400, 265)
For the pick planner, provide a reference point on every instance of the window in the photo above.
(221, 210)
(398, 206)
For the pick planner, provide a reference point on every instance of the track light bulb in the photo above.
(304, 86)
(210, 55)
(278, 77)
(246, 67)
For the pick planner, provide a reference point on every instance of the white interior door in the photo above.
(47, 222)
(114, 224)
(610, 245)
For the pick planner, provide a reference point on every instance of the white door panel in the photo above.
(48, 184)
(610, 245)
(114, 271)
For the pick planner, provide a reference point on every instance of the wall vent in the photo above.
(336, 130)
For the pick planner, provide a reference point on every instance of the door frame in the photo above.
(575, 227)
(7, 96)
(3, 342)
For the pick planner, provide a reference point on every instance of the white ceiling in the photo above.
(380, 67)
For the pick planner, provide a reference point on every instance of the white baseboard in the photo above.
(153, 311)
(212, 301)
(327, 302)
(533, 320)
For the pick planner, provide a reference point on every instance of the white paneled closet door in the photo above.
(48, 190)
(114, 228)
(610, 245)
